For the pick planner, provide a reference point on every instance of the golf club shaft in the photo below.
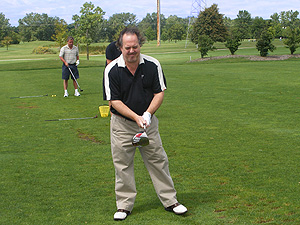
(36, 96)
(84, 118)
(74, 78)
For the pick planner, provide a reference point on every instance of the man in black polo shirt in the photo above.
(134, 84)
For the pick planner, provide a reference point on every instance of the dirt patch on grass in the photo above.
(88, 137)
(250, 57)
(24, 106)
(27, 107)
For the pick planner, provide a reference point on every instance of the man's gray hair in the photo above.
(70, 38)
(130, 30)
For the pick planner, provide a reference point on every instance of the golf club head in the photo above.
(140, 139)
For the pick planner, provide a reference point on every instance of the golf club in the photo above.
(36, 96)
(140, 139)
(84, 118)
(74, 78)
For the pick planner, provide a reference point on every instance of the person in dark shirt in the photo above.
(112, 52)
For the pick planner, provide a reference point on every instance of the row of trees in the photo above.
(89, 27)
(209, 27)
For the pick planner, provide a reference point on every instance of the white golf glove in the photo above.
(77, 62)
(147, 117)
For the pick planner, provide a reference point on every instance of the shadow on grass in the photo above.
(194, 201)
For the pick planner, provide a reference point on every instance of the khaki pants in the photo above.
(153, 155)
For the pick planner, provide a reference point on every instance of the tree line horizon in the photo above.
(210, 26)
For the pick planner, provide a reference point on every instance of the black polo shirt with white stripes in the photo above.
(135, 91)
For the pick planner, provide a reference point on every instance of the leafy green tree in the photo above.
(60, 35)
(36, 26)
(4, 26)
(290, 19)
(86, 23)
(45, 27)
(117, 33)
(6, 41)
(280, 22)
(233, 42)
(205, 44)
(117, 22)
(150, 34)
(150, 20)
(15, 37)
(172, 20)
(228, 22)
(276, 25)
(257, 26)
(175, 28)
(164, 35)
(292, 39)
(27, 31)
(242, 24)
(104, 32)
(176, 32)
(264, 43)
(210, 23)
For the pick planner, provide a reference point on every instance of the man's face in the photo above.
(70, 43)
(131, 48)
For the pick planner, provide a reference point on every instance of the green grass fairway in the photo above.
(230, 128)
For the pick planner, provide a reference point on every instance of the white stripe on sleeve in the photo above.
(160, 72)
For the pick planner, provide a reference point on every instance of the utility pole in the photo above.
(158, 22)
(197, 7)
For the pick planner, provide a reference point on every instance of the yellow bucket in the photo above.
(104, 110)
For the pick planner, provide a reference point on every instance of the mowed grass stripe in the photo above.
(230, 128)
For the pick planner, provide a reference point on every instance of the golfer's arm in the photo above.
(127, 112)
(124, 110)
(156, 102)
(63, 60)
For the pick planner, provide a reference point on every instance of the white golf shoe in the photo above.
(77, 93)
(66, 94)
(121, 214)
(177, 208)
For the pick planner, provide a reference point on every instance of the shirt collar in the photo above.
(121, 61)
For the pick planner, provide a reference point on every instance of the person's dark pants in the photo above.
(66, 72)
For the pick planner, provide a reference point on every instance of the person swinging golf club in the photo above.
(134, 85)
(69, 55)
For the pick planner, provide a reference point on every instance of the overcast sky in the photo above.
(17, 9)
